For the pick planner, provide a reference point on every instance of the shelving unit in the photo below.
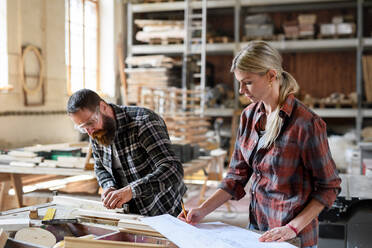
(357, 44)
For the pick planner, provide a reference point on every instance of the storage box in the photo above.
(259, 30)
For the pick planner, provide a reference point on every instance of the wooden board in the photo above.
(14, 224)
(135, 225)
(71, 242)
(3, 238)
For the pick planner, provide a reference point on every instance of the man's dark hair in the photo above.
(83, 99)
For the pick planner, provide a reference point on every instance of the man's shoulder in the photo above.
(134, 114)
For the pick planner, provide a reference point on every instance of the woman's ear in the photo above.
(271, 74)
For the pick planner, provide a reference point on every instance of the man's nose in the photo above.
(89, 130)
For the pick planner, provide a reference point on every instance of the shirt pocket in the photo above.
(283, 158)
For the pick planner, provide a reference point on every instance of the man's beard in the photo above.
(106, 135)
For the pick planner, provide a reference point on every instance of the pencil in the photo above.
(184, 210)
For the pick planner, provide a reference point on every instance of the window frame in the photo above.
(4, 86)
(68, 63)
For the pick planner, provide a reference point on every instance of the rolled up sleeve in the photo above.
(239, 172)
(318, 159)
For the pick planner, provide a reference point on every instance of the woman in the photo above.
(282, 148)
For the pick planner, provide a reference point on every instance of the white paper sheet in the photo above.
(216, 235)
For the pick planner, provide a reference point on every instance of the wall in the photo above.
(40, 23)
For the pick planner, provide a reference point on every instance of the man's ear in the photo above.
(102, 106)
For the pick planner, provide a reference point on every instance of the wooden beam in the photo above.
(17, 186)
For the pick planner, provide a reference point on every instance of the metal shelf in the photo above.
(219, 112)
(367, 42)
(324, 113)
(180, 6)
(283, 46)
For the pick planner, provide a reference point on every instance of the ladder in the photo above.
(194, 54)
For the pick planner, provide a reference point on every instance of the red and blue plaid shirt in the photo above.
(297, 168)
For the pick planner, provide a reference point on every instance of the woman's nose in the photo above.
(242, 89)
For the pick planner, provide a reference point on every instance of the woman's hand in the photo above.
(278, 234)
(194, 216)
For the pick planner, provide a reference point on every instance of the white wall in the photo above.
(41, 23)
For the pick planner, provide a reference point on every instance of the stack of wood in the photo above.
(191, 129)
(367, 134)
(182, 112)
(335, 100)
(151, 71)
(21, 158)
(303, 27)
(47, 156)
(160, 31)
(258, 26)
(306, 25)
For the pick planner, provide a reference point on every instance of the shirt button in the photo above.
(258, 174)
(252, 192)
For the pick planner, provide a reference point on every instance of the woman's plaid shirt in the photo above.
(298, 167)
(149, 165)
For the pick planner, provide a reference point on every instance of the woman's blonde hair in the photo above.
(259, 57)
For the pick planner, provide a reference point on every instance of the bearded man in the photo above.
(134, 163)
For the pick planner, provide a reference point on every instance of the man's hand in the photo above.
(116, 198)
(105, 192)
(278, 234)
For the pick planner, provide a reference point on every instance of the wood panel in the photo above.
(322, 73)
(222, 64)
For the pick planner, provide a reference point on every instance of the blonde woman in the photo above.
(282, 147)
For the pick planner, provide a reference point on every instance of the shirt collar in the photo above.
(286, 109)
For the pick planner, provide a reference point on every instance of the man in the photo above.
(134, 163)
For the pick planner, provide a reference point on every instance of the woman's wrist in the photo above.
(294, 229)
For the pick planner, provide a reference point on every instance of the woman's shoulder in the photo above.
(304, 114)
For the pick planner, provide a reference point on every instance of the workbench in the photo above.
(349, 222)
(13, 174)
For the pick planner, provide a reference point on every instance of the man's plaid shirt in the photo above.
(148, 164)
(298, 167)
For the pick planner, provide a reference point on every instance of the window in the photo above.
(82, 48)
(4, 73)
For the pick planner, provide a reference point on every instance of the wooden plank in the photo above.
(104, 214)
(147, 233)
(45, 170)
(71, 242)
(135, 225)
(14, 224)
(78, 203)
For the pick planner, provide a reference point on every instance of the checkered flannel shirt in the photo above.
(148, 164)
(298, 167)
